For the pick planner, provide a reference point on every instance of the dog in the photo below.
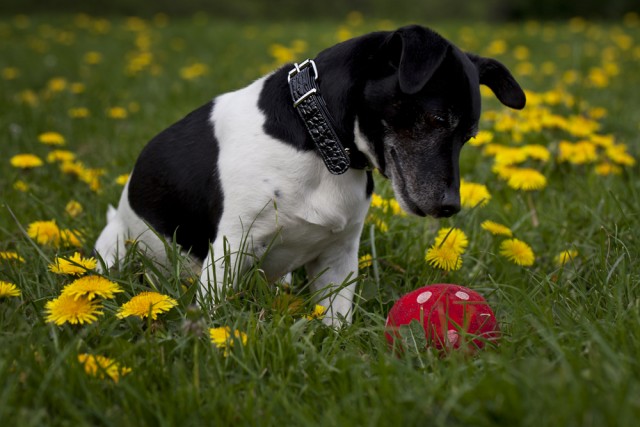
(281, 170)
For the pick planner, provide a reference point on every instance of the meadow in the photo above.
(80, 96)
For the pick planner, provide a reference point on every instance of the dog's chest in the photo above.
(290, 206)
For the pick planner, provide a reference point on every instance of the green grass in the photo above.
(571, 334)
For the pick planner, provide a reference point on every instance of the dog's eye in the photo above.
(437, 120)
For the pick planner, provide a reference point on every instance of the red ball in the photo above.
(450, 315)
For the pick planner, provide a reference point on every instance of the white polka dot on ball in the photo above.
(423, 297)
(462, 295)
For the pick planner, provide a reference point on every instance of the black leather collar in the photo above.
(313, 110)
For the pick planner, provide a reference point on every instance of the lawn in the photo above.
(83, 94)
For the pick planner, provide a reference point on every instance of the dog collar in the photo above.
(312, 108)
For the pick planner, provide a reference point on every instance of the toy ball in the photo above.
(451, 315)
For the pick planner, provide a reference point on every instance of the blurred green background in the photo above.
(422, 10)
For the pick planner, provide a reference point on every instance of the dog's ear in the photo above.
(496, 76)
(416, 52)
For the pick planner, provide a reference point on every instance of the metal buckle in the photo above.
(299, 67)
(303, 97)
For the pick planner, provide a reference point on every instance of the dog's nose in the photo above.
(450, 204)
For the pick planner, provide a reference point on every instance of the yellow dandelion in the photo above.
(365, 261)
(10, 73)
(8, 290)
(453, 238)
(22, 186)
(379, 223)
(193, 71)
(473, 195)
(117, 113)
(102, 367)
(90, 287)
(223, 338)
(145, 304)
(526, 179)
(577, 153)
(606, 168)
(565, 256)
(395, 207)
(122, 179)
(617, 153)
(60, 156)
(57, 84)
(75, 265)
(51, 138)
(68, 309)
(10, 256)
(78, 112)
(26, 161)
(73, 168)
(444, 258)
(496, 228)
(92, 57)
(78, 87)
(445, 253)
(517, 252)
(281, 54)
(537, 152)
(483, 137)
(509, 156)
(73, 208)
(44, 232)
(70, 238)
(317, 313)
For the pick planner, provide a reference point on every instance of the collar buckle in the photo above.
(299, 67)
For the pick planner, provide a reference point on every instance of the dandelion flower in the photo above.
(483, 137)
(618, 154)
(472, 194)
(517, 252)
(101, 366)
(537, 152)
(26, 161)
(51, 138)
(117, 113)
(44, 232)
(90, 287)
(11, 256)
(565, 256)
(67, 308)
(8, 290)
(76, 265)
(222, 338)
(21, 186)
(444, 258)
(365, 261)
(60, 156)
(496, 228)
(445, 253)
(526, 179)
(145, 304)
(73, 208)
(70, 238)
(606, 168)
(453, 238)
(317, 313)
(122, 179)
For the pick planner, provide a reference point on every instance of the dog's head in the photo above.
(420, 103)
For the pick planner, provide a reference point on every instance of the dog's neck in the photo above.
(341, 83)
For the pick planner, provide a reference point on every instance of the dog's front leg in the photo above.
(222, 268)
(333, 276)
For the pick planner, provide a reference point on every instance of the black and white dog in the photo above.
(282, 168)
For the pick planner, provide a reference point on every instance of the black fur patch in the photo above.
(175, 186)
